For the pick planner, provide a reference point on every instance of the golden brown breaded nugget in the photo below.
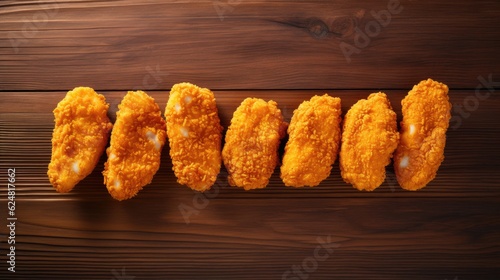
(250, 153)
(426, 115)
(194, 133)
(369, 138)
(313, 143)
(135, 149)
(80, 135)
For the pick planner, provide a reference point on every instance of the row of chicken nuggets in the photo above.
(365, 140)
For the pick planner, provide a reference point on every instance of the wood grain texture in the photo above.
(245, 44)
(287, 51)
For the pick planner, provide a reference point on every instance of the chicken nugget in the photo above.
(313, 143)
(80, 135)
(194, 133)
(250, 153)
(137, 139)
(426, 115)
(369, 138)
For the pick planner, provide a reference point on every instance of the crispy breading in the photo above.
(426, 115)
(80, 135)
(250, 153)
(369, 138)
(195, 133)
(313, 143)
(135, 148)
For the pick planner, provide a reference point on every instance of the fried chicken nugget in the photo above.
(426, 115)
(313, 143)
(250, 153)
(369, 138)
(194, 133)
(137, 139)
(80, 135)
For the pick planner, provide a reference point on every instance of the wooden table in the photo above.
(287, 51)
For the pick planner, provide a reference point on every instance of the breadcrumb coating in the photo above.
(313, 143)
(369, 139)
(194, 133)
(426, 116)
(135, 148)
(80, 135)
(250, 153)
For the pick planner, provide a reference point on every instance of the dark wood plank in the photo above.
(379, 238)
(120, 45)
